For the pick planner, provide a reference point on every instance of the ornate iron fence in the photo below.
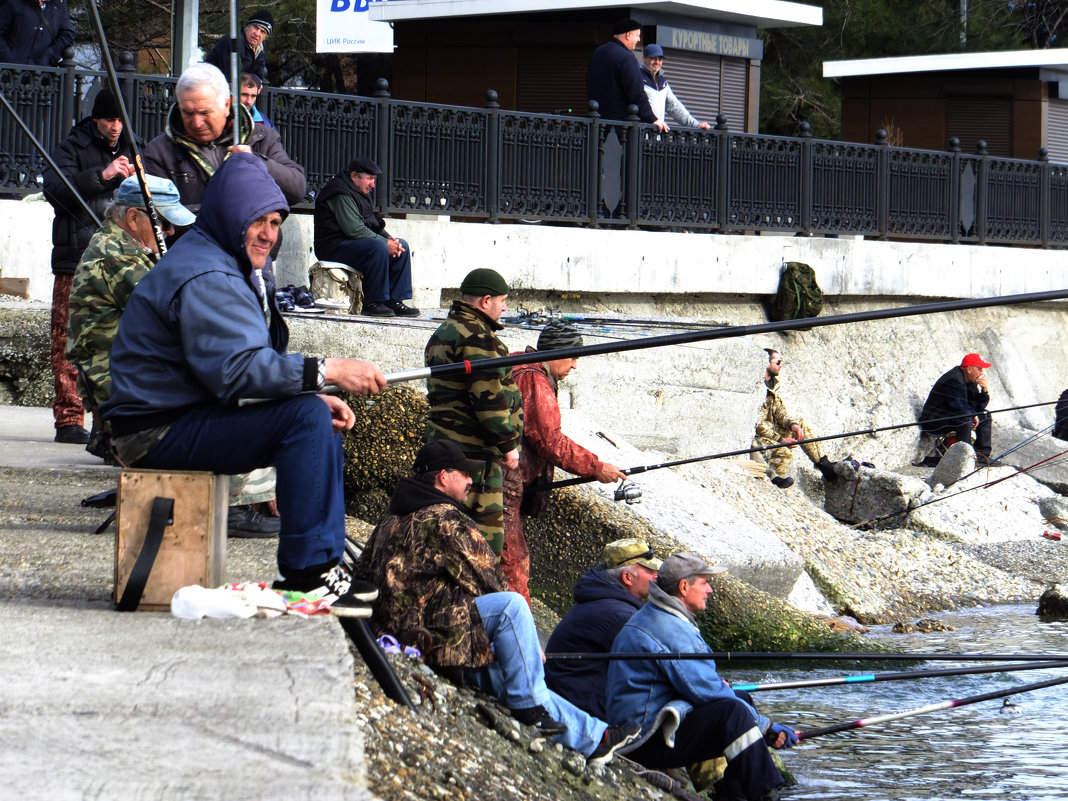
(493, 164)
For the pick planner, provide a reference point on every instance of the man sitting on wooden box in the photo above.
(199, 334)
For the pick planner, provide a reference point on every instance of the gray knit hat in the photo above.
(559, 334)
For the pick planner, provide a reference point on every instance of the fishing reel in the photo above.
(628, 491)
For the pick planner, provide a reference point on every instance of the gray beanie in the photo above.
(559, 334)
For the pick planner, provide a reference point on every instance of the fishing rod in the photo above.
(868, 678)
(784, 656)
(235, 75)
(922, 710)
(630, 471)
(139, 165)
(1003, 454)
(706, 334)
(48, 157)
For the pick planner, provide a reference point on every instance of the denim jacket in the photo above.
(660, 693)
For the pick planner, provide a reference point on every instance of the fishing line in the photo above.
(629, 471)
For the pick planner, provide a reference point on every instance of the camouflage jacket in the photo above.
(106, 275)
(773, 421)
(481, 412)
(430, 562)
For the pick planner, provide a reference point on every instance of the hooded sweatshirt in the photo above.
(602, 606)
(194, 331)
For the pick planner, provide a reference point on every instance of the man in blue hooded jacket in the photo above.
(605, 598)
(199, 334)
(688, 713)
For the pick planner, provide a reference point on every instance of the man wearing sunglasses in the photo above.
(775, 426)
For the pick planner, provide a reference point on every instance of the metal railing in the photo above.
(498, 165)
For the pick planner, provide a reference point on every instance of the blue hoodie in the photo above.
(194, 331)
(602, 606)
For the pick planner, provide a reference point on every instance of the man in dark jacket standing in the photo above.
(199, 334)
(605, 598)
(35, 33)
(199, 137)
(250, 43)
(95, 158)
(614, 79)
(348, 230)
(957, 402)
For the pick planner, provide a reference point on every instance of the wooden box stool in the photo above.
(171, 533)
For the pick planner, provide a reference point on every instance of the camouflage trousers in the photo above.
(515, 556)
(485, 503)
(779, 459)
(254, 487)
(67, 407)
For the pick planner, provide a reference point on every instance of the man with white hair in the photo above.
(199, 137)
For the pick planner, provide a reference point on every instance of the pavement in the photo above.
(98, 704)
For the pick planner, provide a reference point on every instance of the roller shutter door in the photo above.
(708, 85)
(973, 118)
(1057, 131)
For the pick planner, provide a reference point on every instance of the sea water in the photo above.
(970, 752)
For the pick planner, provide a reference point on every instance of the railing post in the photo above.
(126, 71)
(982, 190)
(631, 161)
(493, 150)
(1044, 198)
(593, 162)
(382, 142)
(882, 185)
(723, 180)
(955, 194)
(807, 172)
(68, 110)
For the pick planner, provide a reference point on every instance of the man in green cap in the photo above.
(481, 411)
(545, 447)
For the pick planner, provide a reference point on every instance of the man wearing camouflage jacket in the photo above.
(775, 426)
(440, 588)
(480, 412)
(121, 251)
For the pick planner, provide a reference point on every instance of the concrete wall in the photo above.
(635, 267)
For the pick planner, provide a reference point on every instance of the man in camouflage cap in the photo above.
(545, 447)
(480, 412)
(605, 598)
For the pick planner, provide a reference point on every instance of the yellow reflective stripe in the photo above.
(747, 738)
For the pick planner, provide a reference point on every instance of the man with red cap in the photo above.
(957, 405)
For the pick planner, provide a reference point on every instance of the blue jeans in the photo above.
(384, 277)
(296, 438)
(517, 676)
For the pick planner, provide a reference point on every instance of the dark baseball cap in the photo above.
(653, 51)
(444, 455)
(681, 566)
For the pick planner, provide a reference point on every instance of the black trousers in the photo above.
(964, 431)
(723, 727)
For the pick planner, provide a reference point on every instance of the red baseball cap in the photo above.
(973, 360)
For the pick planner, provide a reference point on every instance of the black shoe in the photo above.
(982, 459)
(826, 467)
(401, 310)
(615, 737)
(782, 482)
(72, 435)
(539, 719)
(377, 310)
(245, 522)
(356, 600)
